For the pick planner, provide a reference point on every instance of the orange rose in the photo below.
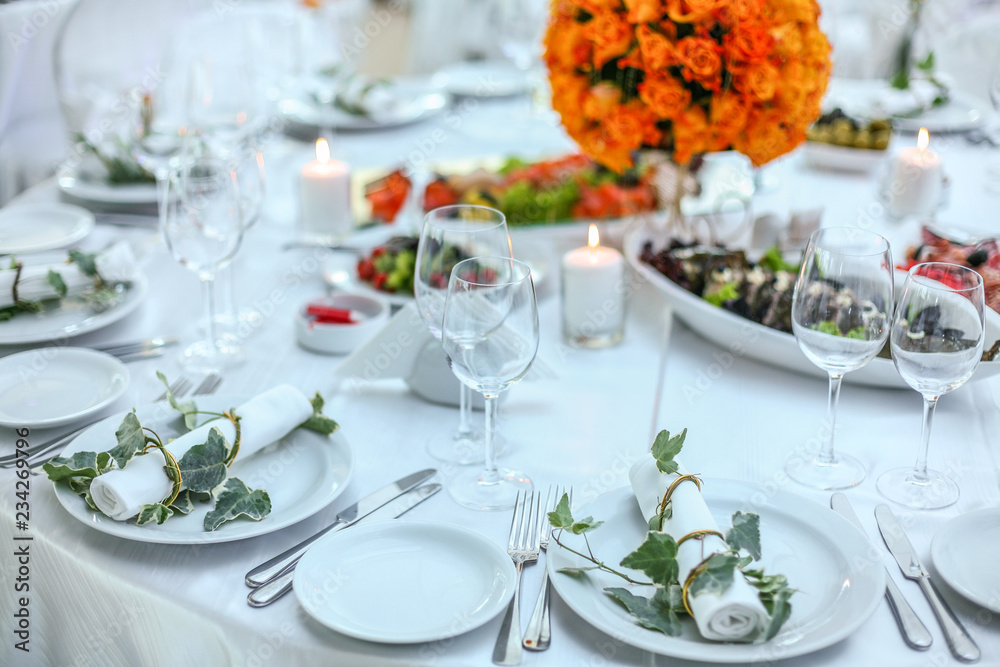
(794, 11)
(759, 81)
(664, 95)
(658, 52)
(728, 117)
(766, 137)
(644, 11)
(736, 12)
(746, 43)
(601, 101)
(699, 57)
(692, 11)
(611, 35)
(624, 127)
(567, 45)
(787, 40)
(690, 131)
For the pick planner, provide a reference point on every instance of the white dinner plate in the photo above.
(875, 98)
(302, 473)
(88, 186)
(416, 101)
(403, 582)
(744, 337)
(53, 386)
(482, 78)
(824, 557)
(42, 226)
(71, 317)
(964, 554)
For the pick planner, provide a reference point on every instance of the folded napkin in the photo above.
(116, 264)
(372, 98)
(736, 614)
(263, 420)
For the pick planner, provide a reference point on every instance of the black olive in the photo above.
(977, 257)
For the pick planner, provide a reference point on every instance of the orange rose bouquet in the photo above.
(686, 76)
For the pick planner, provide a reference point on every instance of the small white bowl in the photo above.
(341, 338)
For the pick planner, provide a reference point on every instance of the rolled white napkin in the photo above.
(736, 614)
(263, 420)
(116, 264)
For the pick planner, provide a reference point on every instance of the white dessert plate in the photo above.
(53, 386)
(482, 78)
(747, 338)
(824, 557)
(403, 582)
(42, 226)
(71, 317)
(313, 470)
(961, 554)
(875, 98)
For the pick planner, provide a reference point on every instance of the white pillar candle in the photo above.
(325, 198)
(914, 186)
(593, 280)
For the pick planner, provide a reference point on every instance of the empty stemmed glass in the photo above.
(937, 342)
(203, 227)
(841, 311)
(490, 335)
(449, 235)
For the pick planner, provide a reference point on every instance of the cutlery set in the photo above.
(914, 632)
(135, 351)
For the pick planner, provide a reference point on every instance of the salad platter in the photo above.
(746, 338)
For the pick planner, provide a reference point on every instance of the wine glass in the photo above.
(203, 227)
(841, 310)
(449, 235)
(937, 342)
(490, 336)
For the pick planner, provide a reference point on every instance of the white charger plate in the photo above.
(42, 226)
(419, 101)
(80, 185)
(403, 582)
(53, 386)
(302, 473)
(71, 317)
(961, 555)
(824, 557)
(747, 338)
(862, 97)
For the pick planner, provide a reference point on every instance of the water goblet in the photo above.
(450, 234)
(937, 342)
(203, 227)
(841, 311)
(490, 336)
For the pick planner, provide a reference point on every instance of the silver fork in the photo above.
(208, 385)
(522, 547)
(179, 388)
(538, 635)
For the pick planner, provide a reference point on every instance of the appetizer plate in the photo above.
(81, 185)
(402, 582)
(53, 386)
(415, 100)
(43, 226)
(762, 343)
(874, 98)
(302, 473)
(815, 548)
(71, 317)
(961, 557)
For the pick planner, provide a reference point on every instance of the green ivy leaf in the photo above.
(318, 421)
(57, 283)
(82, 464)
(86, 261)
(577, 572)
(562, 517)
(585, 525)
(900, 80)
(927, 64)
(665, 448)
(203, 467)
(131, 440)
(237, 499)
(717, 576)
(656, 557)
(745, 533)
(188, 408)
(157, 512)
(655, 614)
(780, 609)
(184, 503)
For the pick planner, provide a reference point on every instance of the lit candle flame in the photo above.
(923, 139)
(322, 150)
(593, 238)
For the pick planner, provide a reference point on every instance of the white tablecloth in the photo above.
(99, 600)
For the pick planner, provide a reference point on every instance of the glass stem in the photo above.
(826, 456)
(920, 468)
(208, 289)
(490, 474)
(464, 413)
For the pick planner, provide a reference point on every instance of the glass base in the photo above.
(910, 489)
(841, 473)
(470, 490)
(203, 357)
(450, 447)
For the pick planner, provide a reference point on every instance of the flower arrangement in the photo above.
(686, 76)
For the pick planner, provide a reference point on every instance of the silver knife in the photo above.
(264, 572)
(959, 641)
(274, 589)
(915, 633)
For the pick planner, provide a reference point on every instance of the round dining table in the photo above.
(93, 598)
